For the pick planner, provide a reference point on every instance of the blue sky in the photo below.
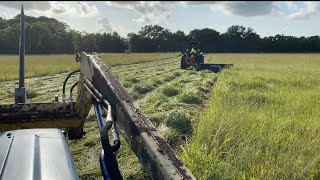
(267, 18)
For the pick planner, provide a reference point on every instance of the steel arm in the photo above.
(157, 157)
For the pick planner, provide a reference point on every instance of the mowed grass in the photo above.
(263, 121)
(159, 86)
(42, 65)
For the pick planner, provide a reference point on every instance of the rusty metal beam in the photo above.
(37, 115)
(157, 157)
(84, 104)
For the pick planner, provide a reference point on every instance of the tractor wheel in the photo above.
(199, 67)
(201, 59)
(183, 62)
(75, 133)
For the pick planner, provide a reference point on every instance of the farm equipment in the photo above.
(33, 144)
(196, 60)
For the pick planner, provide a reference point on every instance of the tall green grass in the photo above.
(41, 65)
(36, 65)
(262, 121)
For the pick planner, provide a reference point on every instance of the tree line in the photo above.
(49, 36)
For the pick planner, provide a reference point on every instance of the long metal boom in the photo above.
(157, 157)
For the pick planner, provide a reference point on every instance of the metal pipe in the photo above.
(99, 116)
(106, 126)
(20, 92)
(21, 50)
(116, 141)
(109, 123)
(91, 93)
(109, 118)
(91, 86)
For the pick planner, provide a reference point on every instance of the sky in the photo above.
(267, 18)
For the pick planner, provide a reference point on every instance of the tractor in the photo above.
(33, 135)
(193, 57)
(190, 58)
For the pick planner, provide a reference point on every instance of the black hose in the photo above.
(65, 82)
(71, 98)
(74, 85)
(111, 162)
(103, 166)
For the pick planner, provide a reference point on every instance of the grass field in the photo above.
(41, 65)
(256, 120)
(263, 120)
(158, 86)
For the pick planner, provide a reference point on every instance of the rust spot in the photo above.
(142, 128)
(177, 163)
(152, 129)
(145, 128)
(160, 151)
(34, 112)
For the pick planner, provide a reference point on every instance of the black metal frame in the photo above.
(108, 162)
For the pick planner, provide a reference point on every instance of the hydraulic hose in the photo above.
(65, 82)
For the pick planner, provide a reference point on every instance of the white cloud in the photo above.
(291, 5)
(244, 8)
(50, 8)
(87, 10)
(103, 25)
(58, 8)
(8, 13)
(261, 8)
(62, 8)
(155, 11)
(239, 8)
(187, 3)
(303, 13)
(54, 7)
(38, 5)
(150, 12)
(123, 4)
(4, 15)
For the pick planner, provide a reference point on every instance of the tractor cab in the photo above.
(192, 56)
